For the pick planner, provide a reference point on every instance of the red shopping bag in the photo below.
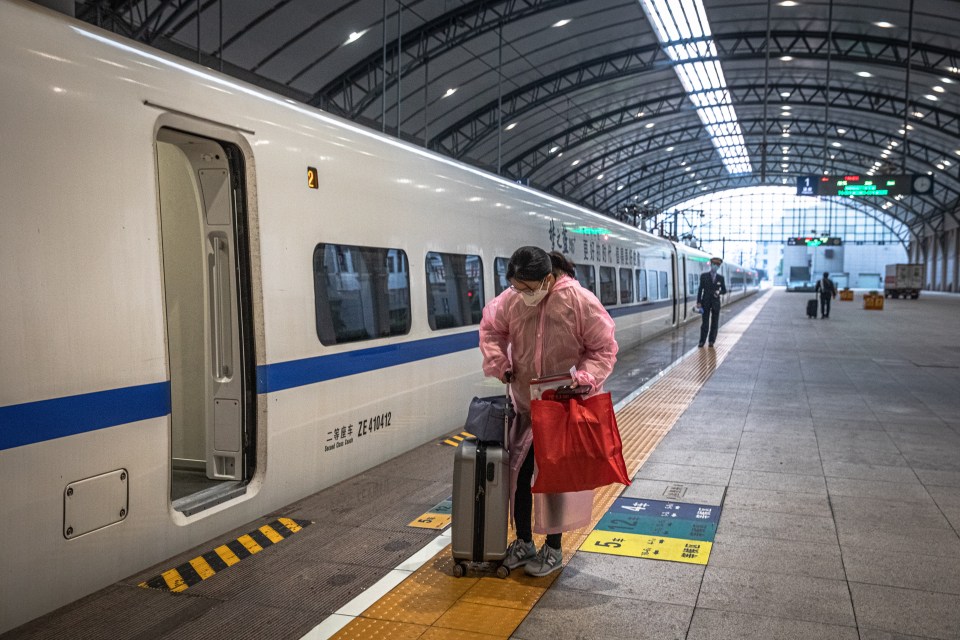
(576, 444)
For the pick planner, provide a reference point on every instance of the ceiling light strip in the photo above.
(683, 30)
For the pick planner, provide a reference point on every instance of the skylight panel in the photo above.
(684, 32)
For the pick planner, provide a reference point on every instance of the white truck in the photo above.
(903, 280)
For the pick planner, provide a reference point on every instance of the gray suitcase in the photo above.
(481, 495)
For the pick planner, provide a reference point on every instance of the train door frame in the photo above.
(676, 272)
(202, 171)
(686, 287)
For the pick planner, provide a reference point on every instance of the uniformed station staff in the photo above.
(712, 286)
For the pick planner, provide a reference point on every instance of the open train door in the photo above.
(208, 317)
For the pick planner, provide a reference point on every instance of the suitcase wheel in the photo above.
(502, 572)
(459, 569)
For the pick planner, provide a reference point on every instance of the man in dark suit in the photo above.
(827, 291)
(712, 286)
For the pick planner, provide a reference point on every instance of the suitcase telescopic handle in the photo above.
(508, 409)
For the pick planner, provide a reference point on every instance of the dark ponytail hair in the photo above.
(529, 264)
(561, 264)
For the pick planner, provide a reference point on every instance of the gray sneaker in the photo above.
(547, 561)
(519, 553)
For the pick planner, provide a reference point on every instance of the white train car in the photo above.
(216, 301)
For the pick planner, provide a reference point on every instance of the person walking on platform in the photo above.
(712, 286)
(828, 291)
(545, 322)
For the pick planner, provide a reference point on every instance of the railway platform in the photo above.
(799, 480)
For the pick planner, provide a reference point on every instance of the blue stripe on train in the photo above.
(296, 373)
(31, 422)
(616, 312)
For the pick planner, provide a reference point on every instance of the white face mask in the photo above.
(713, 268)
(534, 298)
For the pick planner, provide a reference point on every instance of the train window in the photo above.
(641, 285)
(361, 293)
(585, 277)
(608, 285)
(626, 286)
(664, 286)
(454, 290)
(652, 285)
(500, 282)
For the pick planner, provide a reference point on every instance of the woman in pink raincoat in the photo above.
(543, 324)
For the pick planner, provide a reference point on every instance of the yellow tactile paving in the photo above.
(511, 594)
(438, 633)
(434, 605)
(481, 618)
(374, 629)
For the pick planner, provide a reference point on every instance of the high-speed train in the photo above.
(215, 301)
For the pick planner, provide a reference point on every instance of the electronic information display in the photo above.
(857, 186)
(814, 241)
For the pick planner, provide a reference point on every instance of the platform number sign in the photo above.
(313, 179)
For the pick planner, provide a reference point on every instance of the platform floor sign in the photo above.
(655, 529)
(437, 518)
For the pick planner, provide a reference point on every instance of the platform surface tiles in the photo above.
(799, 481)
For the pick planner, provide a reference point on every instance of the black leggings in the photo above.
(523, 504)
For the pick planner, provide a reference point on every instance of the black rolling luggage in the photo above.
(481, 495)
(812, 308)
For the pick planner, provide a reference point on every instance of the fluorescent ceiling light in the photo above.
(864, 74)
(510, 126)
(450, 92)
(939, 89)
(671, 149)
(650, 125)
(676, 24)
(561, 23)
(786, 58)
(554, 149)
(356, 35)
(883, 25)
(619, 187)
(574, 163)
(946, 80)
(788, 3)
(784, 94)
(836, 144)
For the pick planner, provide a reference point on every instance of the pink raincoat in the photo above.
(569, 328)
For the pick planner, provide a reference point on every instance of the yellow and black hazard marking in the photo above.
(226, 555)
(454, 441)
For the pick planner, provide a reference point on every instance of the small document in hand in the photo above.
(552, 381)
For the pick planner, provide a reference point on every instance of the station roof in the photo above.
(587, 99)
